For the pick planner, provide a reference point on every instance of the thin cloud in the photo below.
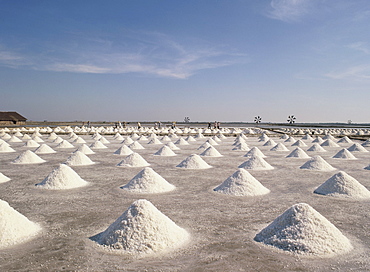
(288, 10)
(137, 52)
(360, 72)
(360, 46)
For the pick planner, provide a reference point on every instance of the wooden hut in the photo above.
(11, 118)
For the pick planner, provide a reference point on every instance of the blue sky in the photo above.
(226, 60)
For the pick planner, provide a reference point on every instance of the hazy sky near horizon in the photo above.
(225, 60)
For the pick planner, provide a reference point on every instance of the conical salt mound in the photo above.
(356, 147)
(4, 148)
(97, 145)
(79, 140)
(154, 141)
(14, 139)
(143, 229)
(193, 162)
(256, 163)
(299, 143)
(242, 183)
(31, 143)
(147, 181)
(124, 150)
(28, 157)
(172, 146)
(343, 185)
(344, 154)
(211, 152)
(303, 230)
(136, 145)
(127, 141)
(3, 178)
(329, 143)
(64, 144)
(211, 142)
(317, 163)
(15, 227)
(204, 146)
(298, 153)
(290, 140)
(165, 151)
(316, 147)
(44, 149)
(85, 149)
(318, 140)
(366, 143)
(78, 159)
(279, 147)
(270, 142)
(62, 177)
(242, 146)
(133, 160)
(345, 140)
(181, 141)
(255, 152)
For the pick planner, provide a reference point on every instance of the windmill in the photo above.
(291, 119)
(257, 119)
(186, 119)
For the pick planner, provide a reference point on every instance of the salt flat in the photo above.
(222, 227)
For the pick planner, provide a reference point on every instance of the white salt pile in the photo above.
(366, 143)
(165, 138)
(317, 163)
(299, 143)
(216, 139)
(345, 140)
(64, 144)
(256, 163)
(3, 178)
(204, 146)
(344, 154)
(36, 138)
(26, 137)
(242, 183)
(270, 142)
(124, 150)
(343, 185)
(242, 146)
(154, 141)
(303, 230)
(136, 145)
(329, 143)
(211, 142)
(143, 138)
(104, 140)
(279, 147)
(211, 152)
(44, 149)
(165, 151)
(356, 147)
(255, 152)
(181, 141)
(127, 141)
(58, 140)
(147, 181)
(193, 162)
(97, 145)
(191, 139)
(316, 147)
(143, 229)
(31, 143)
(133, 160)
(15, 227)
(14, 139)
(79, 140)
(290, 140)
(28, 157)
(62, 177)
(172, 146)
(307, 137)
(78, 159)
(5, 148)
(298, 153)
(284, 137)
(318, 140)
(85, 149)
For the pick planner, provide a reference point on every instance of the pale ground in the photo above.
(222, 227)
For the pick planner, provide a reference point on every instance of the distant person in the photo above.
(209, 125)
(218, 125)
(124, 124)
(159, 124)
(88, 124)
(155, 125)
(138, 125)
(215, 125)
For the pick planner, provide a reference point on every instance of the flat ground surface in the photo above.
(222, 227)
